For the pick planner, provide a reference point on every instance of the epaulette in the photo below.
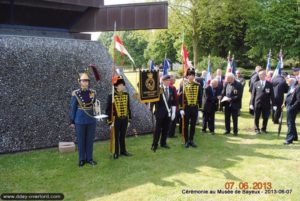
(73, 92)
(93, 91)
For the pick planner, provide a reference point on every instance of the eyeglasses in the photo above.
(84, 80)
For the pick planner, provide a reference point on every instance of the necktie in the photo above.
(167, 93)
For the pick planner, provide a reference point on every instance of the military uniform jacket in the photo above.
(121, 106)
(292, 100)
(233, 91)
(192, 96)
(262, 96)
(82, 106)
(210, 100)
(160, 107)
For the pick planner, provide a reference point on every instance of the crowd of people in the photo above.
(195, 96)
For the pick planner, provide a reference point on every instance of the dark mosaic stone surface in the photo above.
(37, 76)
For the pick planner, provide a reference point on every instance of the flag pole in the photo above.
(112, 130)
(183, 69)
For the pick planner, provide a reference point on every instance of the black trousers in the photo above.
(292, 130)
(231, 113)
(265, 112)
(190, 118)
(208, 120)
(172, 127)
(161, 129)
(120, 127)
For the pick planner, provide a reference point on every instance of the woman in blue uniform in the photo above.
(83, 121)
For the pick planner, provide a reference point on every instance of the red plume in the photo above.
(95, 71)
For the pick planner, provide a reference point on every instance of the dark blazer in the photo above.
(262, 97)
(280, 87)
(210, 100)
(292, 101)
(160, 107)
(235, 95)
(253, 78)
(220, 85)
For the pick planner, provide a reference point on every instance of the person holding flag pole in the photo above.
(280, 87)
(118, 106)
(189, 102)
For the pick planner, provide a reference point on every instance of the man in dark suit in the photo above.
(210, 105)
(292, 104)
(254, 78)
(165, 111)
(220, 79)
(231, 99)
(280, 87)
(262, 99)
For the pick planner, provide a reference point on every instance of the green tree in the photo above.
(160, 45)
(275, 26)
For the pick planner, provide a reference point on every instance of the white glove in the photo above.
(111, 126)
(274, 107)
(128, 125)
(181, 112)
(173, 113)
(251, 107)
(199, 113)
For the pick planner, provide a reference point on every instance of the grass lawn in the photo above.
(165, 174)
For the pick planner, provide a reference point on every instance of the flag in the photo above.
(279, 65)
(185, 56)
(120, 47)
(166, 66)
(208, 74)
(151, 66)
(229, 67)
(269, 62)
(233, 65)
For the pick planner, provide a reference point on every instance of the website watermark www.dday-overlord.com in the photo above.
(32, 196)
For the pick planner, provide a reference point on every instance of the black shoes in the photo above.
(192, 144)
(165, 146)
(287, 143)
(126, 154)
(186, 145)
(153, 148)
(81, 163)
(92, 162)
(264, 131)
(226, 132)
(257, 132)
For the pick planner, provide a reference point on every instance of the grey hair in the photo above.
(230, 75)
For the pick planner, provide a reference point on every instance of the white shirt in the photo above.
(263, 83)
